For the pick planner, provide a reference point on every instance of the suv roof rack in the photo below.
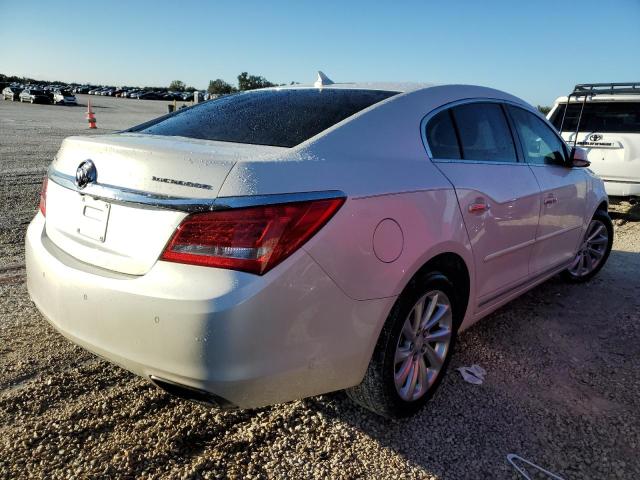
(606, 89)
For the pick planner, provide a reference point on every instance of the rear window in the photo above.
(607, 117)
(282, 118)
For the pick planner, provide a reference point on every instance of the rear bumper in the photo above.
(251, 340)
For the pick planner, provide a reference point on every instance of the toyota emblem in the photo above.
(86, 174)
(596, 137)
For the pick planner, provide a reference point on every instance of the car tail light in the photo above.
(43, 196)
(253, 239)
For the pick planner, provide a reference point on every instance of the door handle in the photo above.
(550, 200)
(479, 206)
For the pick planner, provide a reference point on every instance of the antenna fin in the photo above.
(322, 80)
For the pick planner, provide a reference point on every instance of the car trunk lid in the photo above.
(124, 231)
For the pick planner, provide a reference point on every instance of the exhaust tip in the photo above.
(192, 394)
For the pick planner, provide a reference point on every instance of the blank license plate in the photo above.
(93, 219)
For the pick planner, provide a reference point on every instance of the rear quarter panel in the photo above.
(431, 224)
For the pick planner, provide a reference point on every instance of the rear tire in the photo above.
(594, 250)
(412, 353)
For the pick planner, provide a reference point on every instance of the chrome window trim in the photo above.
(425, 120)
(477, 162)
(127, 196)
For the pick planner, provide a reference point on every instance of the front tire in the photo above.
(594, 250)
(413, 350)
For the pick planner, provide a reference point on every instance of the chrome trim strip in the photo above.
(121, 195)
(510, 249)
(476, 162)
(557, 232)
(434, 112)
(513, 248)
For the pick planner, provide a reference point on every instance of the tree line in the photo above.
(220, 87)
(216, 87)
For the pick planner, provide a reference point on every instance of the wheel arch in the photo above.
(604, 205)
(452, 266)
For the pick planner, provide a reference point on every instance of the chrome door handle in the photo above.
(479, 206)
(550, 200)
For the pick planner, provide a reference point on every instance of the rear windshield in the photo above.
(612, 117)
(282, 118)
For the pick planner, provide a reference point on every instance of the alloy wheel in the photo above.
(423, 345)
(592, 250)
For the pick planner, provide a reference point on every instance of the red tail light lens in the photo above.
(253, 239)
(43, 196)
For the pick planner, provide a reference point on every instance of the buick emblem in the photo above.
(86, 173)
(596, 137)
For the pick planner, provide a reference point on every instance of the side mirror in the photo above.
(578, 158)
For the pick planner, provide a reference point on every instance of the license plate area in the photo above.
(93, 218)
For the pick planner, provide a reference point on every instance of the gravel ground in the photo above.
(562, 387)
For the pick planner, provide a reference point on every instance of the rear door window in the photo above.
(484, 133)
(540, 144)
(605, 117)
(282, 118)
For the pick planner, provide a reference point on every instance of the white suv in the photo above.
(609, 129)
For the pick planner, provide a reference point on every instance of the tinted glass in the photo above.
(539, 143)
(282, 118)
(441, 136)
(606, 117)
(484, 133)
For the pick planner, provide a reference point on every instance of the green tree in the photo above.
(251, 82)
(544, 110)
(220, 87)
(177, 86)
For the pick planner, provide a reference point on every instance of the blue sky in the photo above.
(534, 49)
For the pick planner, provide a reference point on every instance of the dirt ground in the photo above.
(562, 388)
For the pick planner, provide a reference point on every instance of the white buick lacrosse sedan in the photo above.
(286, 242)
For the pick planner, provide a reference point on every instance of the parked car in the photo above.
(34, 95)
(11, 93)
(609, 128)
(64, 97)
(149, 96)
(286, 242)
